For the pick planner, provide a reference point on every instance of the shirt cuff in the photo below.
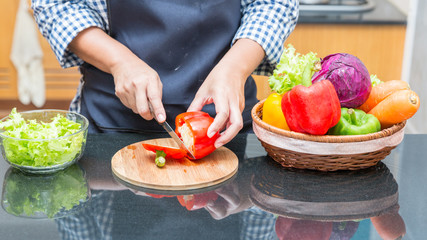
(269, 26)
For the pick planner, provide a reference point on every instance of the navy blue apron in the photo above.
(181, 40)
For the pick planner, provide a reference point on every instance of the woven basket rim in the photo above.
(257, 113)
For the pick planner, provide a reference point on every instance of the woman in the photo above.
(172, 55)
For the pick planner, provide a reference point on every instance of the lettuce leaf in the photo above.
(25, 149)
(30, 195)
(375, 80)
(289, 71)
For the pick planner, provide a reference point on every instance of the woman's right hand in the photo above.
(137, 86)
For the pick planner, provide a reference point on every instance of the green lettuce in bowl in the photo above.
(42, 141)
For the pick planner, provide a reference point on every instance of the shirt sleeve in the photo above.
(269, 23)
(60, 21)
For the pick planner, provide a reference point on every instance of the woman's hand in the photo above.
(224, 87)
(136, 84)
(231, 200)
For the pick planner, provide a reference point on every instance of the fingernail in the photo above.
(218, 145)
(160, 117)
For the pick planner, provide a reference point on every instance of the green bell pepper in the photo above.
(355, 122)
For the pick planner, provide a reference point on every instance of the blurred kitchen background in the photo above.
(387, 35)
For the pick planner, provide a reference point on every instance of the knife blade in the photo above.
(172, 133)
(175, 137)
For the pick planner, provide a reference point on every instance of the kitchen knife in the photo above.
(172, 133)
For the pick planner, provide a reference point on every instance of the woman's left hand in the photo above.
(224, 87)
(231, 200)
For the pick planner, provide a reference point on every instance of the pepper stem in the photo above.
(160, 158)
(309, 70)
(352, 114)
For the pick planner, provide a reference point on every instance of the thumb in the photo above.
(198, 103)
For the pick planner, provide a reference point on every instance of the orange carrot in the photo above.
(381, 91)
(396, 108)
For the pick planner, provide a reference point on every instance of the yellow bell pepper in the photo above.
(272, 111)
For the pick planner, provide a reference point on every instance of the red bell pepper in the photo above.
(192, 128)
(197, 201)
(296, 229)
(311, 109)
(171, 152)
(158, 195)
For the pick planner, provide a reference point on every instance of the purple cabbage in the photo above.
(344, 230)
(348, 75)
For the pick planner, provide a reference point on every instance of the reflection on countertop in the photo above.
(263, 201)
(369, 12)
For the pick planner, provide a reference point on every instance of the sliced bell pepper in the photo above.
(196, 201)
(175, 153)
(192, 128)
(311, 108)
(158, 195)
(272, 111)
(355, 122)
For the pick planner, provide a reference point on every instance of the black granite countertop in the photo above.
(384, 12)
(263, 200)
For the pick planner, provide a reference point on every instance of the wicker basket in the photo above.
(326, 152)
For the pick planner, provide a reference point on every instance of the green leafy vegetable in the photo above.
(289, 71)
(28, 195)
(40, 144)
(375, 80)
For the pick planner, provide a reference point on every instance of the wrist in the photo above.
(244, 57)
(121, 61)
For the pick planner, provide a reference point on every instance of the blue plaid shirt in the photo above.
(96, 222)
(268, 22)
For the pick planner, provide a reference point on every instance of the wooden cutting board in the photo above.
(135, 165)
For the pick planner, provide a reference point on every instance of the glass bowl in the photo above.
(45, 155)
(45, 196)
